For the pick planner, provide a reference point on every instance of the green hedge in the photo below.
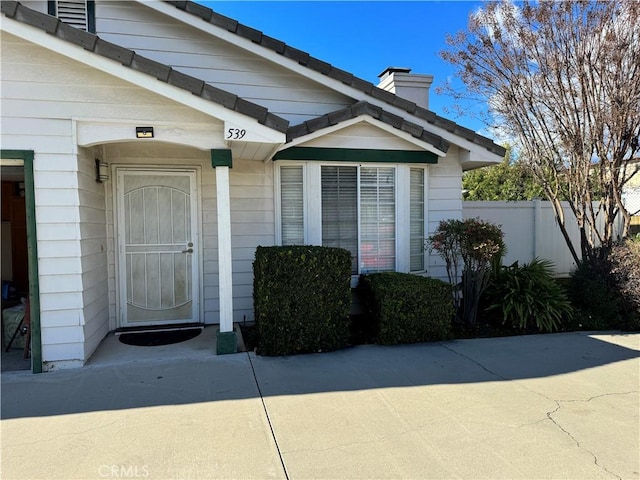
(302, 298)
(407, 308)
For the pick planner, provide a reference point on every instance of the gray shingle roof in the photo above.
(131, 59)
(306, 60)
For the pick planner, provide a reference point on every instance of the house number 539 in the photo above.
(235, 133)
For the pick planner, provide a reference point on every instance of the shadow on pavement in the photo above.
(177, 381)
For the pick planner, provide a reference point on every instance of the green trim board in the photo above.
(32, 253)
(226, 342)
(16, 154)
(221, 158)
(91, 16)
(356, 155)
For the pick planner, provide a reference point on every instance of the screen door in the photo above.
(158, 252)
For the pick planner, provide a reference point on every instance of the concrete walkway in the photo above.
(545, 406)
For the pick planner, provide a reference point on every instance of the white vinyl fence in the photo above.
(631, 200)
(530, 231)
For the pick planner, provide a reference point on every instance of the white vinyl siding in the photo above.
(340, 210)
(416, 242)
(292, 205)
(444, 197)
(215, 61)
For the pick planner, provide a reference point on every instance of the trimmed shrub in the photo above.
(528, 296)
(302, 298)
(407, 308)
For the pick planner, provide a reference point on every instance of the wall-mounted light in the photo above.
(144, 132)
(102, 171)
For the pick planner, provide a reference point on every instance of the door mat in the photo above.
(155, 338)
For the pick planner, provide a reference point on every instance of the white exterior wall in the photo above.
(444, 202)
(252, 224)
(218, 63)
(59, 259)
(42, 95)
(93, 248)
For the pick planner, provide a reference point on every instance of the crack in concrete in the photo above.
(477, 363)
(550, 413)
(611, 394)
(595, 457)
(65, 434)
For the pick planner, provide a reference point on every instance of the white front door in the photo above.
(158, 247)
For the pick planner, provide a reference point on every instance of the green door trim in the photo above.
(359, 155)
(32, 253)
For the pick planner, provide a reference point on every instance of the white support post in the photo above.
(224, 249)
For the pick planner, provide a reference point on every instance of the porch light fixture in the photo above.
(144, 132)
(102, 171)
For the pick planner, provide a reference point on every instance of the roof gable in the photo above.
(361, 109)
(138, 63)
(333, 73)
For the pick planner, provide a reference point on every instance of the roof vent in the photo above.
(413, 87)
(73, 13)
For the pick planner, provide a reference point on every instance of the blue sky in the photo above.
(365, 37)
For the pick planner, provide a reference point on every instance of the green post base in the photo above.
(226, 343)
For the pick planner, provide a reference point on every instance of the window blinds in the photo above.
(416, 239)
(340, 210)
(292, 205)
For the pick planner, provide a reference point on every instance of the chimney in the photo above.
(402, 82)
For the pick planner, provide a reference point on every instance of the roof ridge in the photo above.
(303, 58)
(129, 58)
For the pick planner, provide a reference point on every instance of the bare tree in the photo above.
(563, 78)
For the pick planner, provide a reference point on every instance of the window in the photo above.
(79, 13)
(416, 241)
(358, 214)
(292, 205)
(374, 210)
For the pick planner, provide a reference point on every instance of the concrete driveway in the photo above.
(545, 406)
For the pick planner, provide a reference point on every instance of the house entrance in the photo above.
(158, 247)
